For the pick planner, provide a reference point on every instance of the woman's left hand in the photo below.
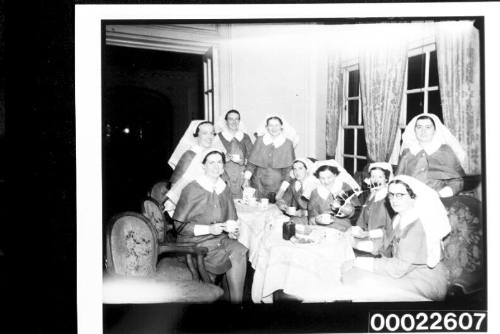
(235, 234)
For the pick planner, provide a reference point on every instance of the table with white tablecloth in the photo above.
(310, 271)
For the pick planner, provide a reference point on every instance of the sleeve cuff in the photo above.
(446, 192)
(376, 233)
(248, 175)
(365, 245)
(201, 230)
(284, 186)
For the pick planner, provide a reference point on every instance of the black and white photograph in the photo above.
(301, 172)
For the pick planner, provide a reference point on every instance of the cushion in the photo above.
(463, 248)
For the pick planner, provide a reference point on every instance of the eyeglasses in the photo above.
(397, 195)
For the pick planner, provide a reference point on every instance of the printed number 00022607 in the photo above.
(425, 321)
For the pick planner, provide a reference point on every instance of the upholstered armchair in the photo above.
(134, 274)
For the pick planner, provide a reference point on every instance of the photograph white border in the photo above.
(88, 39)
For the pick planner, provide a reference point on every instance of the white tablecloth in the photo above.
(309, 271)
(254, 220)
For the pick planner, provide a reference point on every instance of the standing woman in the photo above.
(431, 154)
(272, 156)
(375, 218)
(238, 146)
(334, 181)
(411, 267)
(203, 215)
(198, 140)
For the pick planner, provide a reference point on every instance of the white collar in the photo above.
(276, 141)
(409, 217)
(297, 185)
(198, 149)
(229, 136)
(209, 186)
(429, 148)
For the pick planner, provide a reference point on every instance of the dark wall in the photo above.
(149, 99)
(177, 76)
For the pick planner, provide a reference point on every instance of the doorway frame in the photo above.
(184, 38)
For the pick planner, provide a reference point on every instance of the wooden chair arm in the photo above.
(182, 248)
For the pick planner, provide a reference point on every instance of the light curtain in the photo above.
(333, 103)
(457, 47)
(382, 72)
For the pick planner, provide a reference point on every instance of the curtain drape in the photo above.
(382, 70)
(333, 103)
(457, 47)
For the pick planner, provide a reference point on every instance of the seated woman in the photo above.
(271, 158)
(293, 202)
(376, 215)
(238, 147)
(204, 211)
(327, 200)
(411, 267)
(198, 140)
(431, 154)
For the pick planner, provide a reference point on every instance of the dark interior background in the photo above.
(149, 99)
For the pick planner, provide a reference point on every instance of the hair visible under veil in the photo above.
(432, 214)
(442, 135)
(287, 130)
(343, 177)
(382, 165)
(189, 141)
(221, 125)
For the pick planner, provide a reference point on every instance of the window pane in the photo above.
(414, 106)
(416, 71)
(361, 143)
(349, 165)
(352, 112)
(353, 83)
(349, 141)
(361, 164)
(433, 70)
(435, 104)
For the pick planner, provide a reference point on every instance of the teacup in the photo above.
(235, 157)
(291, 210)
(232, 226)
(264, 203)
(252, 201)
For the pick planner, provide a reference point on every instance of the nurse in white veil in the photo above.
(186, 161)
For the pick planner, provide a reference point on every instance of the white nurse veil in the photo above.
(442, 135)
(432, 214)
(288, 130)
(188, 141)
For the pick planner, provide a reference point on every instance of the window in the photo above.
(208, 84)
(421, 96)
(354, 144)
(422, 84)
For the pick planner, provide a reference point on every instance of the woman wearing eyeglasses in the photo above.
(410, 268)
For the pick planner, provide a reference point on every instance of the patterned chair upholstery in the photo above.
(464, 246)
(132, 274)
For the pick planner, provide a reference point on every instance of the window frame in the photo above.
(425, 46)
(349, 67)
